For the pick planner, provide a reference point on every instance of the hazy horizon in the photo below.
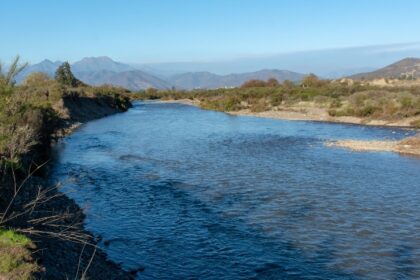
(217, 36)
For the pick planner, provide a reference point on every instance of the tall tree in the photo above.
(64, 76)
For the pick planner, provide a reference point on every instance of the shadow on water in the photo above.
(287, 261)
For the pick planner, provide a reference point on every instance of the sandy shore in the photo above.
(409, 146)
(312, 113)
(305, 111)
(192, 102)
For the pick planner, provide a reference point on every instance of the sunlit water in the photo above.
(185, 193)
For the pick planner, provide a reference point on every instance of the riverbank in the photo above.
(309, 112)
(306, 111)
(67, 258)
(54, 222)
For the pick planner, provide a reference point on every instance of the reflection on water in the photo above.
(186, 193)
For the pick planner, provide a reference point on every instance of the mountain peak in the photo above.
(90, 64)
(97, 59)
(46, 61)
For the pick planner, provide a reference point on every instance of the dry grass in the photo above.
(16, 258)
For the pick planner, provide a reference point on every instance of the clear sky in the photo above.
(198, 30)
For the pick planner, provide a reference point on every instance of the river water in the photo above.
(183, 193)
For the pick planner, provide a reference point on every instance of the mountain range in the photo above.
(195, 80)
(103, 70)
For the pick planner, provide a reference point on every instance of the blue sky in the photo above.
(146, 31)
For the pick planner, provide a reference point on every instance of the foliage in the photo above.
(64, 76)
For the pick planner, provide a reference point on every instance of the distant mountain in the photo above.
(132, 80)
(196, 80)
(103, 70)
(46, 66)
(408, 67)
(95, 64)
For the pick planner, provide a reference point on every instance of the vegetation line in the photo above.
(342, 100)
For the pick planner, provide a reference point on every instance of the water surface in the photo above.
(185, 193)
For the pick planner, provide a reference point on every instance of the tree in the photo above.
(64, 76)
(8, 78)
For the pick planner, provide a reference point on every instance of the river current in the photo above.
(183, 193)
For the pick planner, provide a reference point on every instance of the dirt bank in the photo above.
(63, 248)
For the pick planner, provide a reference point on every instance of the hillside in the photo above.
(207, 80)
(407, 68)
(132, 80)
(96, 64)
(46, 66)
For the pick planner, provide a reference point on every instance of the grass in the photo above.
(30, 108)
(15, 256)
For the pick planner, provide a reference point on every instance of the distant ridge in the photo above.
(103, 70)
(132, 80)
(95, 64)
(405, 68)
(195, 80)
(46, 66)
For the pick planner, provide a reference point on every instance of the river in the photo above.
(184, 193)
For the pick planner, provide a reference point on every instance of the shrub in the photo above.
(253, 83)
(36, 79)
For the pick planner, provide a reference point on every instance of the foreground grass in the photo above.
(15, 256)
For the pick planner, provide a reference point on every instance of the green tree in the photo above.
(8, 78)
(64, 76)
